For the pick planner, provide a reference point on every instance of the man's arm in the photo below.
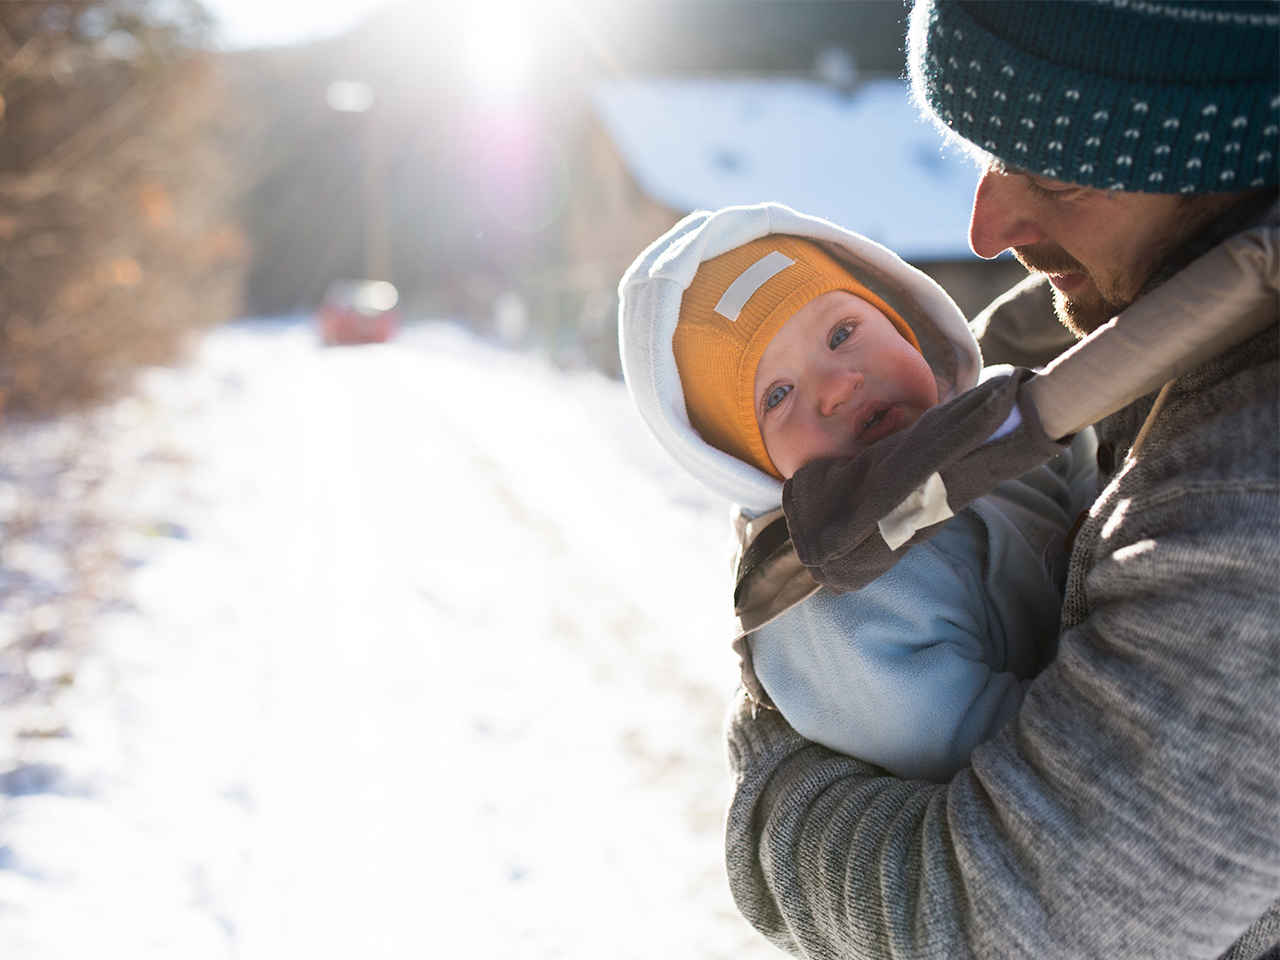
(1129, 809)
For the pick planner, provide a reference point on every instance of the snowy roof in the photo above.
(866, 161)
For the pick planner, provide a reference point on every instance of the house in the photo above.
(659, 148)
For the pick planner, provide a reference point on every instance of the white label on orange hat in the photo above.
(751, 280)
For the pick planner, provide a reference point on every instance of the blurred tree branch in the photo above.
(117, 191)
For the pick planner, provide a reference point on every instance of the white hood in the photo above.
(650, 294)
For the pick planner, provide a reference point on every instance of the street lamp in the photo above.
(349, 96)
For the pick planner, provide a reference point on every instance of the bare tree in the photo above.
(116, 194)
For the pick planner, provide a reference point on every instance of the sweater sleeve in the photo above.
(1130, 808)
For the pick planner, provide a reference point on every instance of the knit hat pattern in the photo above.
(1143, 95)
(717, 355)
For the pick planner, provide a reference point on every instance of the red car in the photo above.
(358, 311)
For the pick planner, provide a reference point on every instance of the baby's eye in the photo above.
(840, 336)
(776, 395)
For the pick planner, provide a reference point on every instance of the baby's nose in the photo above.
(837, 387)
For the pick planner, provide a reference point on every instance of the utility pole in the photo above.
(377, 219)
(354, 96)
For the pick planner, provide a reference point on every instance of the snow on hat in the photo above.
(1158, 96)
(731, 310)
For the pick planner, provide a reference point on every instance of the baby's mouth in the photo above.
(880, 422)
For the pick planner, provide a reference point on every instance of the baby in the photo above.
(756, 340)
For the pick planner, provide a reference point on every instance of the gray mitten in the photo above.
(852, 520)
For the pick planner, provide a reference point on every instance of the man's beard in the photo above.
(1086, 309)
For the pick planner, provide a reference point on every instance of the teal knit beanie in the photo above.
(1150, 95)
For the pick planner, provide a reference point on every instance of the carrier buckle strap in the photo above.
(757, 552)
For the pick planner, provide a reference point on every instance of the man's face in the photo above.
(1097, 247)
(836, 378)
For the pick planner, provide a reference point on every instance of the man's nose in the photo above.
(837, 386)
(1001, 215)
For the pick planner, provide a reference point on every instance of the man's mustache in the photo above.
(1048, 258)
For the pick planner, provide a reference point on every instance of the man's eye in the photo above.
(1052, 189)
(776, 395)
(840, 336)
(1040, 190)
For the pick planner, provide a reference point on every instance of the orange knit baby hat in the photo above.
(732, 309)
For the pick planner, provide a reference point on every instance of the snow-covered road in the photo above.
(426, 657)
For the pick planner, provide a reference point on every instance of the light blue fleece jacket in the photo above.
(922, 665)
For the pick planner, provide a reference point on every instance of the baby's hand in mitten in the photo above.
(852, 520)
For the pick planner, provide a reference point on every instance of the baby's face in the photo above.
(836, 378)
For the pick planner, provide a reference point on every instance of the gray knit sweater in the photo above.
(1132, 807)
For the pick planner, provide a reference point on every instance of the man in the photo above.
(1132, 807)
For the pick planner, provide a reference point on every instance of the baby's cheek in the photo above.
(916, 374)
